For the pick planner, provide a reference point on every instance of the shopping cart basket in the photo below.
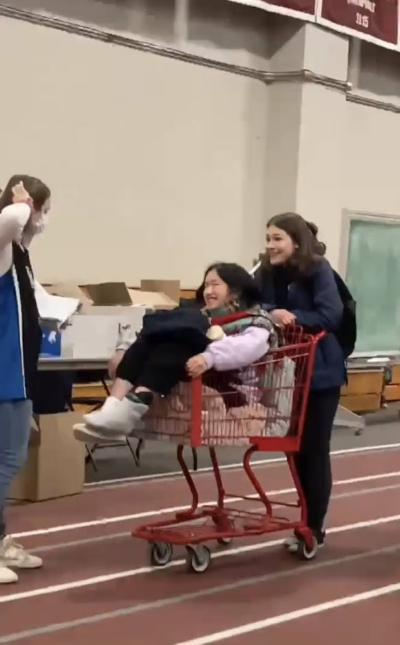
(266, 415)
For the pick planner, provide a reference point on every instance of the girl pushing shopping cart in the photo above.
(213, 378)
(266, 414)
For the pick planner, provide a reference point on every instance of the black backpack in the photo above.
(346, 334)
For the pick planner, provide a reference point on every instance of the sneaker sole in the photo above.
(293, 548)
(87, 435)
(12, 578)
(25, 566)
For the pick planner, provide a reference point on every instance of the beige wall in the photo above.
(373, 135)
(158, 166)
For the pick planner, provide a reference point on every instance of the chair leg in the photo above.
(139, 448)
(90, 458)
(195, 459)
(104, 384)
(136, 458)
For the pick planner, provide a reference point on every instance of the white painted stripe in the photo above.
(76, 584)
(177, 509)
(238, 466)
(293, 615)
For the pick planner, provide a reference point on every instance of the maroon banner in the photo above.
(302, 6)
(375, 18)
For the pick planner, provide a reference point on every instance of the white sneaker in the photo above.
(292, 544)
(14, 556)
(90, 435)
(7, 576)
(116, 416)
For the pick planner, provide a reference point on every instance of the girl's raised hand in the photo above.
(20, 194)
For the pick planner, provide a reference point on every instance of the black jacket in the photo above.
(317, 305)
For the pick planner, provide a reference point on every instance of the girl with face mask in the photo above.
(24, 204)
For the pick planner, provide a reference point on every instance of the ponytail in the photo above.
(319, 247)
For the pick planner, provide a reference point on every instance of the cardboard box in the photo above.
(169, 288)
(111, 294)
(56, 461)
(68, 290)
(152, 300)
(93, 332)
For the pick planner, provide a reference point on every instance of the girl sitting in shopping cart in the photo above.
(180, 344)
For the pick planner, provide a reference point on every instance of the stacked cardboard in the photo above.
(55, 466)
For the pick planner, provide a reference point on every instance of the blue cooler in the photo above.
(51, 344)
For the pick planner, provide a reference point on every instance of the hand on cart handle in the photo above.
(196, 366)
(283, 317)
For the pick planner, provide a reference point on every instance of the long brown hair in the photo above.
(39, 192)
(304, 235)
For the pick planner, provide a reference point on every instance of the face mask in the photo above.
(41, 224)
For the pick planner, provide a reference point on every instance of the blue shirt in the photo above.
(20, 333)
(12, 382)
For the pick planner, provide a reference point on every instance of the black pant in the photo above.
(158, 364)
(313, 461)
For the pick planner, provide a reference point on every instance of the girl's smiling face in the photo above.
(216, 291)
(280, 246)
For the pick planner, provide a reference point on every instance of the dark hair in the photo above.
(39, 192)
(241, 284)
(304, 235)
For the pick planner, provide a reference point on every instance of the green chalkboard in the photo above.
(373, 277)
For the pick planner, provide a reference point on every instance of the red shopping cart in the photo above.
(264, 411)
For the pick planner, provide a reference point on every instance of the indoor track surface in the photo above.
(97, 585)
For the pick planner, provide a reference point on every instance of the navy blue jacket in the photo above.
(316, 303)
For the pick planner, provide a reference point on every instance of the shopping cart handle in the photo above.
(319, 336)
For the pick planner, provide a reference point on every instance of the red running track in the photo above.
(97, 585)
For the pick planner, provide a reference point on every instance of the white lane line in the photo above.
(177, 509)
(76, 584)
(255, 509)
(293, 615)
(235, 466)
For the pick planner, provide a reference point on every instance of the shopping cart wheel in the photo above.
(160, 554)
(305, 553)
(198, 558)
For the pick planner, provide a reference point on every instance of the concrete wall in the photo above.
(159, 166)
(373, 134)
